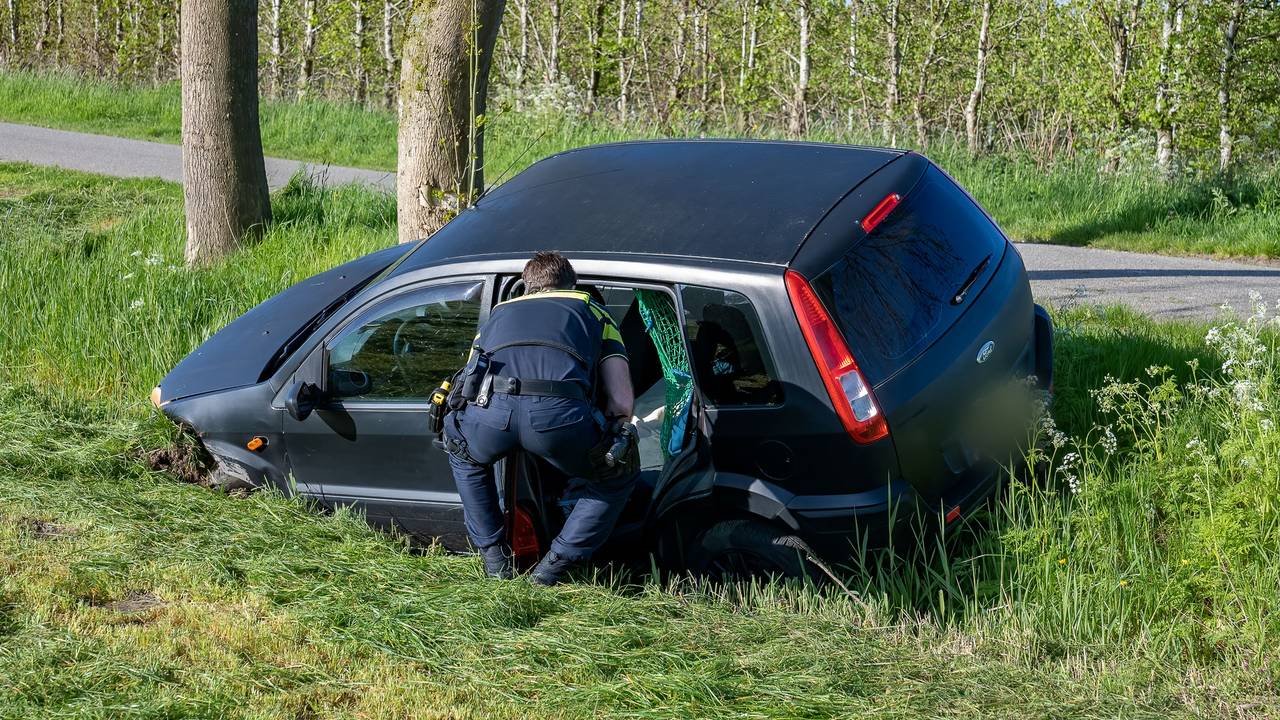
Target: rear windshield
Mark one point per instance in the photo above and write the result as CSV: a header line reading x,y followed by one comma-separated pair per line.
x,y
891,294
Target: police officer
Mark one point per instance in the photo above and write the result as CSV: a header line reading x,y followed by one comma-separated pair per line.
x,y
557,385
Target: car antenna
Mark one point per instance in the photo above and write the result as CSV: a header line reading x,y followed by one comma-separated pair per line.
x,y
519,157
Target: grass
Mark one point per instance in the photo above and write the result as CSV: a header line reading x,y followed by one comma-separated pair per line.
x,y
1150,592
1072,202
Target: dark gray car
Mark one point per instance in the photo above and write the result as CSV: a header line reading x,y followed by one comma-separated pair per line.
x,y
812,331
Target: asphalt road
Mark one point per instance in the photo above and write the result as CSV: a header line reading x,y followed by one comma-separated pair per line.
x,y
1163,287
123,157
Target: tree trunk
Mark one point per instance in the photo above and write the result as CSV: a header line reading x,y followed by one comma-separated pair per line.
x,y
1226,138
1164,116
306,65
224,177
61,33
361,90
893,70
388,53
15,52
926,67
553,58
46,25
444,77
522,58
798,121
974,104
277,47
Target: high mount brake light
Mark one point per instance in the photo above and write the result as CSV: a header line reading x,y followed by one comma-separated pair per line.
x,y
850,394
880,211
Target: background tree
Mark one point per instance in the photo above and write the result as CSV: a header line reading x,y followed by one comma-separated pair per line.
x,y
444,79
1054,78
224,176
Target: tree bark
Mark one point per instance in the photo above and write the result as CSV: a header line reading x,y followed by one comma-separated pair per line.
x,y
1226,68
553,58
1171,11
307,48
893,71
926,67
277,47
444,77
224,177
974,103
361,90
388,53
798,119
15,52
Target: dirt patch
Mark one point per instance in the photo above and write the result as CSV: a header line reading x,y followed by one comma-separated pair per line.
x,y
134,601
44,529
179,462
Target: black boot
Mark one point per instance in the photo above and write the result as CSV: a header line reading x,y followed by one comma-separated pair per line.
x,y
552,569
497,562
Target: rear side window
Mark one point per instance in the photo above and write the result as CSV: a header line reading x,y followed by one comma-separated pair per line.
x,y
729,359
891,294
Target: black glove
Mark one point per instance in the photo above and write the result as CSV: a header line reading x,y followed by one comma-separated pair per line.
x,y
617,454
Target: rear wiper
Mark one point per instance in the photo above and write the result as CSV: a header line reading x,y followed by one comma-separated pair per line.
x,y
958,297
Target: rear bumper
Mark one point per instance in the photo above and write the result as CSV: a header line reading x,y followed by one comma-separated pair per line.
x,y
838,527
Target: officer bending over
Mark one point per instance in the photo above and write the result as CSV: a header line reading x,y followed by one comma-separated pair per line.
x,y
555,360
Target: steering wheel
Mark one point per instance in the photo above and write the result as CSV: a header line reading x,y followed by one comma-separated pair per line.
x,y
407,341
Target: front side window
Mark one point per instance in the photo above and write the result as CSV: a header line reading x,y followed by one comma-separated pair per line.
x,y
404,347
730,360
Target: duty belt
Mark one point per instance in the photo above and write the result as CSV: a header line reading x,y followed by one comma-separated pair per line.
x,y
546,388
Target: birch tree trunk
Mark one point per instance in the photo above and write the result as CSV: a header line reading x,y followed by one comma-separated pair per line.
x,y
448,49
1164,115
926,68
974,103
798,121
15,51
277,47
553,58
224,180
388,53
307,48
360,92
893,71
1226,69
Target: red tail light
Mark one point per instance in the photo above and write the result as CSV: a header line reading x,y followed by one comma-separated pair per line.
x,y
880,211
849,391
525,549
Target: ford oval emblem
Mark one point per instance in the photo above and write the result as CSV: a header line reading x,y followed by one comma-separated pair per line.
x,y
984,353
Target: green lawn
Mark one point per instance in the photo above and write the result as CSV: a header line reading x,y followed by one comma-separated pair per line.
x,y
124,593
1071,203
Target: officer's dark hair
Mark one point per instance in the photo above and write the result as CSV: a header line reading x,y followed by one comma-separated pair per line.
x,y
548,270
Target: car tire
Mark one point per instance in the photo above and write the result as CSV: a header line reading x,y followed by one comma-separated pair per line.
x,y
740,549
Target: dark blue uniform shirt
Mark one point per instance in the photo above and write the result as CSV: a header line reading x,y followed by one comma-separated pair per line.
x,y
567,318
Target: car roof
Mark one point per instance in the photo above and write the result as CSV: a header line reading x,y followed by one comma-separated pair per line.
x,y
742,200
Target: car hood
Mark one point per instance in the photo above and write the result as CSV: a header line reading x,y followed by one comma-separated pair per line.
x,y
238,354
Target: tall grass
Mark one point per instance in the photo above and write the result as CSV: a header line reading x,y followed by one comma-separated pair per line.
x,y
1137,577
1071,201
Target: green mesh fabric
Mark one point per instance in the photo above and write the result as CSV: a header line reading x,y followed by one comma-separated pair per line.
x,y
663,325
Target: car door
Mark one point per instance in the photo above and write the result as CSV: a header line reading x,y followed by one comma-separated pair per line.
x,y
367,443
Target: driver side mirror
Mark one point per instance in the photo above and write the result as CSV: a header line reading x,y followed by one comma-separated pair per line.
x,y
301,399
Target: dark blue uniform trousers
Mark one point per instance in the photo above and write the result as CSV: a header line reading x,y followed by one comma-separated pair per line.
x,y
558,430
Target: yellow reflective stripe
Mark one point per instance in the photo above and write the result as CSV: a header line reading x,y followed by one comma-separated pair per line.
x,y
566,294
611,333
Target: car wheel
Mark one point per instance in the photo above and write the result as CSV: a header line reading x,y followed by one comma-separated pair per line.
x,y
741,549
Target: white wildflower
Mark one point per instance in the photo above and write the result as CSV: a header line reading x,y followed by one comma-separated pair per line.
x,y
136,304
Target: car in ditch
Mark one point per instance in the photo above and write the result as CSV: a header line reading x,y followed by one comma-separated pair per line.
x,y
812,331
